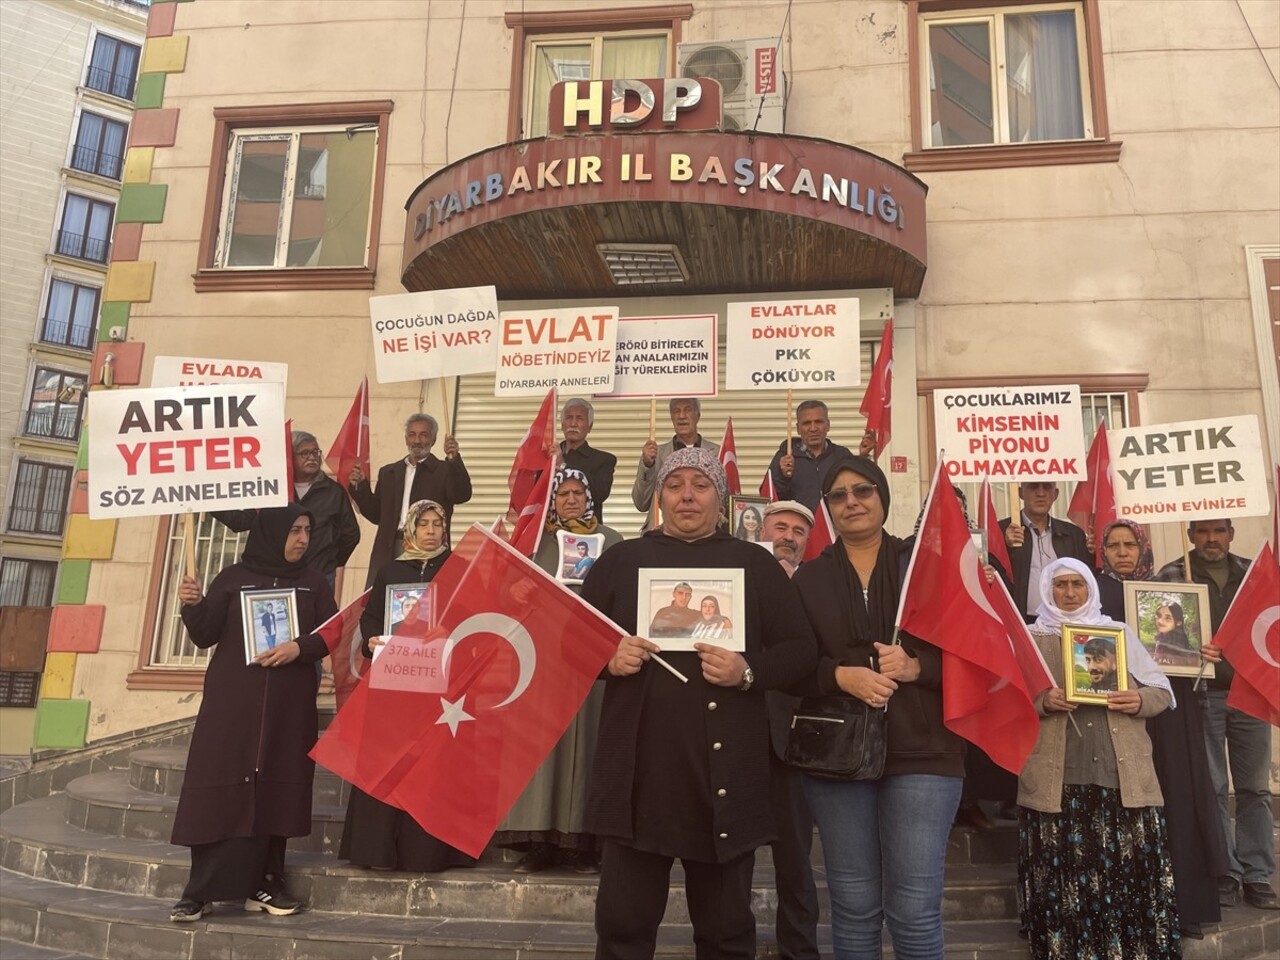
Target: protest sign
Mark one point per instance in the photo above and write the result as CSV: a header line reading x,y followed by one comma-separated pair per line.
x,y
1011,433
569,348
1193,469
434,333
664,357
793,343
411,665
199,371
165,450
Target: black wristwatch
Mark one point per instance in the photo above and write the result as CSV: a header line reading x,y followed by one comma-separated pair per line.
x,y
748,678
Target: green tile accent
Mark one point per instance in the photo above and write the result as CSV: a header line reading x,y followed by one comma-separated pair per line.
x,y
61,724
114,313
149,92
142,203
73,581
82,455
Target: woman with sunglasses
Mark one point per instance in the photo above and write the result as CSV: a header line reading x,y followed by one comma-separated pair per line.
x,y
884,841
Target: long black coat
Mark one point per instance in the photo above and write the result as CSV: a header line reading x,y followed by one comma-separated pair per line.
x,y
703,745
444,481
1068,541
248,773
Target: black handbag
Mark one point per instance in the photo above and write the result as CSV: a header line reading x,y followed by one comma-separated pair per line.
x,y
837,738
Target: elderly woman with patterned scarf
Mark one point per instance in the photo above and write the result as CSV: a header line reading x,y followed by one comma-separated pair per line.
x,y
547,821
1196,844
375,834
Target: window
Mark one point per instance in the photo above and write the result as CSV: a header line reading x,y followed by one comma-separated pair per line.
x,y
1011,83
27,583
70,313
622,56
295,197
55,404
632,43
99,146
86,228
40,494
113,67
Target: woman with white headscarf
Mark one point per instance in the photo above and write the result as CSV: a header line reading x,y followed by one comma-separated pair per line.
x,y
1094,876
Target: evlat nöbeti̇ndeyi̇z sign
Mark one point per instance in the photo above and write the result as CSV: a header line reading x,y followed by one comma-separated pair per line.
x,y
570,348
166,450
1203,469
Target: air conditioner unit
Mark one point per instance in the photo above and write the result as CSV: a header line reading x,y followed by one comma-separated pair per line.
x,y
750,77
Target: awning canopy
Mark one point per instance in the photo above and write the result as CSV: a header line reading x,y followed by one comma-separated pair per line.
x,y
720,212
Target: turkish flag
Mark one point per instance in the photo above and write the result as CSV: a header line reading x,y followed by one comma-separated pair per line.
x,y
877,402
341,635
1275,516
1093,505
351,445
729,460
519,657
1250,640
823,533
531,519
989,521
991,668
766,487
533,456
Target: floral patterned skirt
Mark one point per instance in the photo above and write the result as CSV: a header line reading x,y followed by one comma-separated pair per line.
x,y
1095,881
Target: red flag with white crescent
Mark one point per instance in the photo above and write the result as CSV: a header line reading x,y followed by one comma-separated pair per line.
x,y
877,402
351,445
729,460
989,521
340,634
1093,505
1250,640
506,667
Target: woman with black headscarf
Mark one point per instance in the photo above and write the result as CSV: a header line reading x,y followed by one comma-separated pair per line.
x,y
248,778
376,834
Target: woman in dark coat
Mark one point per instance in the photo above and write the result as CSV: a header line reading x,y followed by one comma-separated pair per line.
x,y
376,834
248,777
1196,845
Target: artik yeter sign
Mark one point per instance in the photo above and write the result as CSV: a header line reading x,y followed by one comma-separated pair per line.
x,y
434,333
1011,433
1188,470
793,343
166,450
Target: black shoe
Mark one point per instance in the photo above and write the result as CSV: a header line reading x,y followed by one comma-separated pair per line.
x,y
187,910
972,815
1191,931
1261,895
278,904
581,862
541,856
1229,892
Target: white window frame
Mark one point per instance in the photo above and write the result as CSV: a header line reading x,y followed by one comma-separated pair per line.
x,y
109,112
993,17
596,40
94,193
294,134
92,281
18,460
36,365
134,40
22,558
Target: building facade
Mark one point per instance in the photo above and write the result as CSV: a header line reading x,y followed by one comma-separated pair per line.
x,y
1084,191
67,89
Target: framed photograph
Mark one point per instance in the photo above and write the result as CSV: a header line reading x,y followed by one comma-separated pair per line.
x,y
578,553
1094,662
746,517
409,609
678,608
1172,622
270,618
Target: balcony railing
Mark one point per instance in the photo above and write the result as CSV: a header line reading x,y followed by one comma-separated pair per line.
x,y
61,423
111,83
96,161
76,336
82,247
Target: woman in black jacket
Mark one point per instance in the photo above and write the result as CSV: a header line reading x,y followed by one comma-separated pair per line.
x,y
884,841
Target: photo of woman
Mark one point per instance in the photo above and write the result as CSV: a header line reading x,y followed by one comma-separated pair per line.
x,y
749,522
713,625
1173,648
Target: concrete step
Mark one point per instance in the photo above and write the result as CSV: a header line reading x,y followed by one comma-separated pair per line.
x,y
160,770
108,803
39,843
13,950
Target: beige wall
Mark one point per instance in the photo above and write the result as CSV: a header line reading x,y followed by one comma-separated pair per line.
x,y
1130,267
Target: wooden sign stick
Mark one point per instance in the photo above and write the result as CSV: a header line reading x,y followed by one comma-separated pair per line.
x,y
653,419
444,398
189,543
788,421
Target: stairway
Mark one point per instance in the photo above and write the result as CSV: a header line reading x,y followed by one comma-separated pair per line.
x,y
88,872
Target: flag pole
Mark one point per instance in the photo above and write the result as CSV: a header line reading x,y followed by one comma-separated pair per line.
x,y
1186,575
653,419
364,402
448,419
788,421
189,542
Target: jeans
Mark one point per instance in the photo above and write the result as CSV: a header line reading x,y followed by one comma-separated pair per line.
x,y
885,844
1244,742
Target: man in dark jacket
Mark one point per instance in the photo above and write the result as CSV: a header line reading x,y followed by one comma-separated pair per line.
x,y
1231,733
1036,540
577,417
428,478
798,473
335,532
